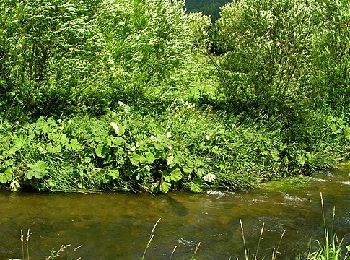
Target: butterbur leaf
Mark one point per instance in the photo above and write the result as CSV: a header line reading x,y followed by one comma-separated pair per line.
x,y
114,174
74,145
37,170
159,146
165,186
176,175
6,176
115,141
187,170
53,148
136,159
195,187
150,157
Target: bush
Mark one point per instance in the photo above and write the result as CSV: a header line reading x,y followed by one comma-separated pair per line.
x,y
62,57
285,57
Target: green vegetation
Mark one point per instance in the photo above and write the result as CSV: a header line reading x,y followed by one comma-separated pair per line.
x,y
331,248
138,95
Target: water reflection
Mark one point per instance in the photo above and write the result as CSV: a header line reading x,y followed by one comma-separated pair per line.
x,y
117,226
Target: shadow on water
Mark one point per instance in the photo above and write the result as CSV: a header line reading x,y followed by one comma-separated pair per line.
x,y
179,209
118,226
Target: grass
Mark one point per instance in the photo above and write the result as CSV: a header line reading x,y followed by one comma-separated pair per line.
x,y
331,248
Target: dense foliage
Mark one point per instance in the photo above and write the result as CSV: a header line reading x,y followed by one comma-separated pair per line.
x,y
139,95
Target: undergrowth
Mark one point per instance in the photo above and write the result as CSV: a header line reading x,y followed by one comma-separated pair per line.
x,y
142,96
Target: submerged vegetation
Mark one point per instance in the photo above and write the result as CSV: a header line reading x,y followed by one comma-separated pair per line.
x,y
139,95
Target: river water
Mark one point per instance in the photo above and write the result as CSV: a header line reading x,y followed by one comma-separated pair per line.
x,y
118,226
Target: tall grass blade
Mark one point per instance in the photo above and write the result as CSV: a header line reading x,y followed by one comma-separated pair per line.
x,y
244,241
195,251
150,239
28,236
260,238
22,242
173,252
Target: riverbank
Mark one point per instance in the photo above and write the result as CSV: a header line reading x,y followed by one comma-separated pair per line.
x,y
142,96
185,149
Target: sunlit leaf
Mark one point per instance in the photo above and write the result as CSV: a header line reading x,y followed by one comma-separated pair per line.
x,y
165,186
6,176
37,170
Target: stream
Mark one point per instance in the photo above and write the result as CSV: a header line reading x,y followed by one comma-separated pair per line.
x,y
119,225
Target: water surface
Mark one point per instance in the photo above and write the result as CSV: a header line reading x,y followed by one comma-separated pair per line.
x,y
118,226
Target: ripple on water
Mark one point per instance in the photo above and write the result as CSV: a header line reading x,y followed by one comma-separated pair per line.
x,y
345,183
294,198
219,194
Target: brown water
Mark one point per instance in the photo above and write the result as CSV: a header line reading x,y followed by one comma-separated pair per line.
x,y
118,226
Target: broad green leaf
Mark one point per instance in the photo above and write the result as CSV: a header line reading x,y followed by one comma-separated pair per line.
x,y
176,175
50,148
150,157
187,170
200,172
74,145
6,176
37,170
136,159
113,141
165,186
159,146
114,174
195,187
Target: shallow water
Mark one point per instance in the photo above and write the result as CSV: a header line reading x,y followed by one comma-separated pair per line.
x,y
118,226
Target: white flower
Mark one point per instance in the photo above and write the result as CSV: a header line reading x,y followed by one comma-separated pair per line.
x,y
168,134
209,177
169,160
115,127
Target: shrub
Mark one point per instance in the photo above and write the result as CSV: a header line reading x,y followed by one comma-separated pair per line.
x,y
285,57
